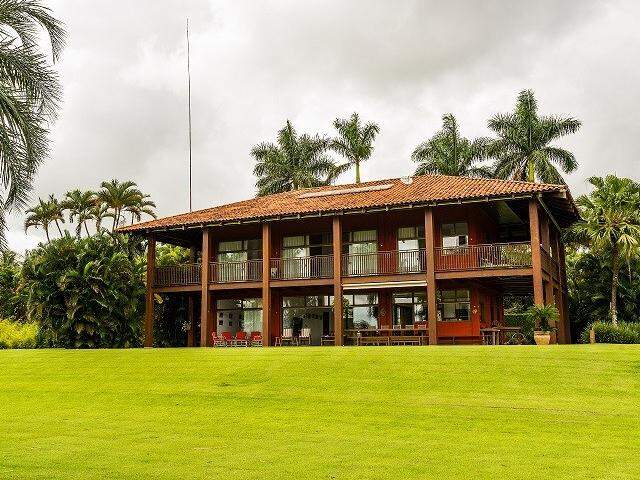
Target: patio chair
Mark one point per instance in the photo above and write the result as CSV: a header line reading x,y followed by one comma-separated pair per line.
x,y
256,339
305,336
241,339
328,339
228,338
287,336
218,341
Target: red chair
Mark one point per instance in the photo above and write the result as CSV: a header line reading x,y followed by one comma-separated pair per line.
x,y
241,339
256,339
228,338
218,341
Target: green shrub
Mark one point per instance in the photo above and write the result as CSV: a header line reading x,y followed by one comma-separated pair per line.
x,y
17,335
12,301
86,292
606,332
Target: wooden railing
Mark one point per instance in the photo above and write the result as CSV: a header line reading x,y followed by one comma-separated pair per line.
x,y
549,264
178,275
383,263
229,272
316,266
480,257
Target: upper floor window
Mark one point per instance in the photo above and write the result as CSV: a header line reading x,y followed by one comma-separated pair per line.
x,y
455,235
362,246
307,245
411,238
239,250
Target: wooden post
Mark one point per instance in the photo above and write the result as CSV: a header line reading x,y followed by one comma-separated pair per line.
x,y
338,319
205,303
564,297
432,307
536,255
151,271
266,284
190,307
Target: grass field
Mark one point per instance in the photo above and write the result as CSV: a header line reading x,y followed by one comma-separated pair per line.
x,y
561,412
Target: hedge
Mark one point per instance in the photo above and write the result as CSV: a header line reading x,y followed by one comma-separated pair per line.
x,y
606,332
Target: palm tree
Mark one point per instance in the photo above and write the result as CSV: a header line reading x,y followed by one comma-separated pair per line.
x,y
30,93
99,212
39,216
143,206
611,224
296,161
447,153
522,150
80,205
354,140
119,197
55,210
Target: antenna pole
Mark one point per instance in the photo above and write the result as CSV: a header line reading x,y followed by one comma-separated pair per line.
x,y
189,101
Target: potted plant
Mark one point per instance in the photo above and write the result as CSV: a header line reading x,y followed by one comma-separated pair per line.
x,y
542,316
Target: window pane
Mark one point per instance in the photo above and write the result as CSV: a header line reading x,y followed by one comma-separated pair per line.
x,y
228,304
449,310
405,233
363,236
232,257
252,303
404,245
295,252
365,299
461,228
365,317
420,313
402,298
297,241
448,229
254,244
293,301
252,321
462,311
448,295
234,246
462,295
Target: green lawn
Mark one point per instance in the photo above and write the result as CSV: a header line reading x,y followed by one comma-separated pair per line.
x,y
322,413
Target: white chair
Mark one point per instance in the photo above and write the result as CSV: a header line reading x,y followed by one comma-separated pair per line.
x,y
305,336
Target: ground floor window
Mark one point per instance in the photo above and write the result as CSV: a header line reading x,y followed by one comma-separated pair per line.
x,y
453,305
361,311
409,308
312,312
234,315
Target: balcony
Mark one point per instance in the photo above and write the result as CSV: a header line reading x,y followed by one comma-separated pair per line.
x,y
231,272
495,256
300,268
482,257
384,263
178,275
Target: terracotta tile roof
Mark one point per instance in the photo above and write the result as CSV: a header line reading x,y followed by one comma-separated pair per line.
x,y
381,193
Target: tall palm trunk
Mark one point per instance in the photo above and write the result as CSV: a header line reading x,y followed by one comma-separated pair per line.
x,y
58,226
46,232
615,273
357,170
531,170
86,229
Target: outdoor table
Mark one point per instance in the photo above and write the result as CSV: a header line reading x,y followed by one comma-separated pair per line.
x,y
504,330
495,334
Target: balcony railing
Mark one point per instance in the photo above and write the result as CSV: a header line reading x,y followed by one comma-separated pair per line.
x,y
316,266
480,257
384,263
470,257
178,275
229,272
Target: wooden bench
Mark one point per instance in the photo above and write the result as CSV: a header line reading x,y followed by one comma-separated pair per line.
x,y
405,340
461,340
373,341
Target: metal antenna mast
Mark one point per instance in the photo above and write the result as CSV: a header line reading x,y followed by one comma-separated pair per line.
x,y
189,100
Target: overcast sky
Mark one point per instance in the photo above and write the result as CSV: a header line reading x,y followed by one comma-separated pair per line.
x,y
254,64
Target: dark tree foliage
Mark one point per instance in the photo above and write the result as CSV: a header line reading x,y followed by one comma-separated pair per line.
x,y
589,282
86,293
12,301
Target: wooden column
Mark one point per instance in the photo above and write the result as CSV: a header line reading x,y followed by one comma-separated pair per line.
x,y
151,271
190,307
338,318
564,296
432,307
205,303
267,308
536,256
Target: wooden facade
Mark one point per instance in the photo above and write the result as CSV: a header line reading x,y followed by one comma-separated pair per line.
x,y
507,247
